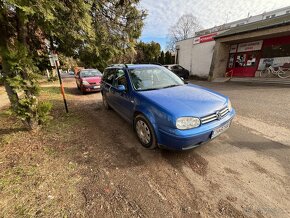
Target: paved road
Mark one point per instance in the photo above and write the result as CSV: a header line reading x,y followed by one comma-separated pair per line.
x,y
244,172
262,102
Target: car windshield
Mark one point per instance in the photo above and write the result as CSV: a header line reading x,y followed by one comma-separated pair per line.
x,y
90,73
151,78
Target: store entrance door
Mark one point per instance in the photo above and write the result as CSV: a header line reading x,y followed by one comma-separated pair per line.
x,y
244,59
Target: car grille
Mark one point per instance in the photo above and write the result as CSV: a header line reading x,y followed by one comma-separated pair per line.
x,y
93,83
216,116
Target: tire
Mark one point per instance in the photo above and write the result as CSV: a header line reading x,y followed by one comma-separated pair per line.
x,y
105,102
284,74
145,132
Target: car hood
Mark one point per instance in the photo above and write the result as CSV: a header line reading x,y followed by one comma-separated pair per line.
x,y
187,100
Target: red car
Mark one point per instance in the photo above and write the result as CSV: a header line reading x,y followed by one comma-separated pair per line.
x,y
88,80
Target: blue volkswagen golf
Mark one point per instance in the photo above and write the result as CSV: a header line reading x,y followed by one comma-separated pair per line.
x,y
163,110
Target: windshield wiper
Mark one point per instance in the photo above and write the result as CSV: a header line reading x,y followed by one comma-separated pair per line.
x,y
170,86
149,89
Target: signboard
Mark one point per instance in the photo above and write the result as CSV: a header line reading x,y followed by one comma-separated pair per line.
x,y
233,48
52,59
205,38
250,46
196,40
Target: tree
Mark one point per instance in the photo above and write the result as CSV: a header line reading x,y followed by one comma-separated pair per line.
x,y
117,25
168,58
147,52
185,27
95,31
161,59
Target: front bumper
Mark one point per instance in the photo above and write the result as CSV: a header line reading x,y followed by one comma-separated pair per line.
x,y
175,139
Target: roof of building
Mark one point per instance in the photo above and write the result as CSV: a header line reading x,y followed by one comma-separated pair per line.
x,y
259,25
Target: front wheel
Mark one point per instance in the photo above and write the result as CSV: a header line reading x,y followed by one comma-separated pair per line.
x,y
145,132
284,74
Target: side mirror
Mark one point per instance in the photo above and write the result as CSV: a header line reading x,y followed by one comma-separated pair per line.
x,y
121,88
182,78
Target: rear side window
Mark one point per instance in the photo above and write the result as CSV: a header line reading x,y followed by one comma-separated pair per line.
x,y
109,76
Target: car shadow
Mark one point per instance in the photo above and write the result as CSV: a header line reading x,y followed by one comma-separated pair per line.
x,y
76,91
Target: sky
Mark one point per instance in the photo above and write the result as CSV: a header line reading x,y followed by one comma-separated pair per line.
x,y
164,13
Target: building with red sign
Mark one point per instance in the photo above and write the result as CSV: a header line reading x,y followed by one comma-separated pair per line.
x,y
242,48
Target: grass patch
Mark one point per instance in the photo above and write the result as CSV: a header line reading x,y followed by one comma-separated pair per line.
x,y
50,90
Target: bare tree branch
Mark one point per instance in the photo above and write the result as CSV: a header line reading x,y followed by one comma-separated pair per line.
x,y
185,28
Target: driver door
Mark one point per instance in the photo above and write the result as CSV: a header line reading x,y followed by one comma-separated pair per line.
x,y
123,99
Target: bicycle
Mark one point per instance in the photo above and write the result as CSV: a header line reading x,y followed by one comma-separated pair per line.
x,y
229,74
280,72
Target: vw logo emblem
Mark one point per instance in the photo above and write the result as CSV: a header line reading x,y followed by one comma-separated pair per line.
x,y
218,115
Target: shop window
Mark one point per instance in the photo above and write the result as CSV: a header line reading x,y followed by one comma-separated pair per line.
x,y
240,60
248,59
231,61
252,59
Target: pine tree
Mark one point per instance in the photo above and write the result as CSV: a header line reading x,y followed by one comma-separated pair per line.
x,y
94,31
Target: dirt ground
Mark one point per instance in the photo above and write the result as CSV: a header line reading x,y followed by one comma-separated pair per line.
x,y
89,164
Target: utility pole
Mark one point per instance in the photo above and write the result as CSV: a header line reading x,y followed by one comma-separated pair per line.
x,y
61,85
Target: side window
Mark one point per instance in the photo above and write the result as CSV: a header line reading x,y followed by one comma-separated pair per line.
x,y
120,79
109,76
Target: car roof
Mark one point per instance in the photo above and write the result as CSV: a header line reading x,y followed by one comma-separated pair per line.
x,y
89,69
132,66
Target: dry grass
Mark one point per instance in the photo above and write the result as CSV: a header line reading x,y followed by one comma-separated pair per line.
x,y
36,177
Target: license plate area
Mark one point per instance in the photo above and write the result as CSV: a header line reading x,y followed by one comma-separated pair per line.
x,y
96,87
220,130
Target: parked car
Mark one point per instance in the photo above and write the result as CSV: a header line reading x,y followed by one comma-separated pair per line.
x,y
70,72
178,70
163,110
88,80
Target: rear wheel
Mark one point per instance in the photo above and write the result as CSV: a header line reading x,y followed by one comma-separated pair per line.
x,y
145,132
284,74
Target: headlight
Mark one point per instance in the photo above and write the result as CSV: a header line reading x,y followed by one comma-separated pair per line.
x,y
187,122
85,82
230,105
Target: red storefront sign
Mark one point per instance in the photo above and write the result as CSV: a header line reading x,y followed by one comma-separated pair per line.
x,y
250,46
205,38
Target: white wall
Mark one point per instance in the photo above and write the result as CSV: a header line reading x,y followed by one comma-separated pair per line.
x,y
196,57
201,58
184,53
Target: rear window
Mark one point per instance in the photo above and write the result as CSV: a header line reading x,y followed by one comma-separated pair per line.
x,y
90,73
